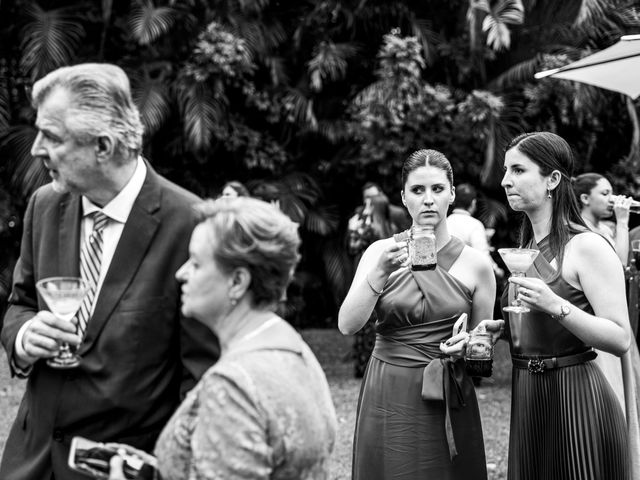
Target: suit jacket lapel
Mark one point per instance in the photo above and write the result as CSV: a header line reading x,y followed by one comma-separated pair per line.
x,y
138,233
69,236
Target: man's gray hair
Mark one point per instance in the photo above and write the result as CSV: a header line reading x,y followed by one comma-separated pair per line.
x,y
101,103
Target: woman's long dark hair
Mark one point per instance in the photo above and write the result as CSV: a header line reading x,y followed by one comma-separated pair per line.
x,y
551,152
381,216
584,184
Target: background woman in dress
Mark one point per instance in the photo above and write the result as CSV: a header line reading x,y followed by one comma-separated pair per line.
x,y
565,420
264,409
597,204
372,224
414,422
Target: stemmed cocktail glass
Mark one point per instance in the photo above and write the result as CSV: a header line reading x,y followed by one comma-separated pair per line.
x,y
63,296
518,261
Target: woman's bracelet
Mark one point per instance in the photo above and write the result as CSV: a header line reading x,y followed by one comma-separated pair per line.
x,y
375,292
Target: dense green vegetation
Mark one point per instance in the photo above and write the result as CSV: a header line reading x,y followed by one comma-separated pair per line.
x,y
316,97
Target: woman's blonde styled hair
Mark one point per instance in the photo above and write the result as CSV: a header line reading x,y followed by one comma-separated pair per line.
x,y
256,235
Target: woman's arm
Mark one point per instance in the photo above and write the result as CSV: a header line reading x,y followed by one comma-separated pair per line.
x,y
377,263
593,267
484,294
621,210
474,270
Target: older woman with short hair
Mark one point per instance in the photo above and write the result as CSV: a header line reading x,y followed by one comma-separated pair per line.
x,y
264,411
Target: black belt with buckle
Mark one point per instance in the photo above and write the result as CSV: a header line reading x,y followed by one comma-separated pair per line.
x,y
539,364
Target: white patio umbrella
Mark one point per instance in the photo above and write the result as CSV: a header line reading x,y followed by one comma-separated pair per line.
x,y
615,68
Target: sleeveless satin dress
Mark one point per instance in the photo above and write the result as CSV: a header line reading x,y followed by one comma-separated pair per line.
x,y
566,423
418,415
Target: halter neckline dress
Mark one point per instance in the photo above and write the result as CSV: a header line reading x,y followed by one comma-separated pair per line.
x,y
418,415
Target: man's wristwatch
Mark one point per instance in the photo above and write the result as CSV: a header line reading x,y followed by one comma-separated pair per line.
x,y
565,310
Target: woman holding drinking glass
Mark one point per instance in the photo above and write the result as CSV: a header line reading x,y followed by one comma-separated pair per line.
x,y
566,422
418,416
597,203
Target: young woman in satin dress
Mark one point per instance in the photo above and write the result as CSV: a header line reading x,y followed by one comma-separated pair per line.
x,y
417,413
566,422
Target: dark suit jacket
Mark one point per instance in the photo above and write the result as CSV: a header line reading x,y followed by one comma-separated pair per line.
x,y
137,353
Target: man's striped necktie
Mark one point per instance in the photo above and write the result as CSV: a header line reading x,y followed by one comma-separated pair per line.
x,y
90,259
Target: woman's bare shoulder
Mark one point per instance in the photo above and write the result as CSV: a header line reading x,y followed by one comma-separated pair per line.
x,y
588,242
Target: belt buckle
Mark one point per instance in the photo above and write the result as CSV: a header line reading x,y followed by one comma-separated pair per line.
x,y
536,366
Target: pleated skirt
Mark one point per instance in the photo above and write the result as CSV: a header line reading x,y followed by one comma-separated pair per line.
x,y
566,424
400,436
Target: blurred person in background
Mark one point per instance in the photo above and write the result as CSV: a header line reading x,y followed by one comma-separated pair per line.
x,y
137,355
462,223
234,189
373,223
417,413
397,215
264,410
566,422
598,204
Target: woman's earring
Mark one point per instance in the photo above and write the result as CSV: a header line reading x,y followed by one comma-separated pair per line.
x,y
548,192
233,302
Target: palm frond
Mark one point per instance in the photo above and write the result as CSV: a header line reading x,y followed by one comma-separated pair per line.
x,y
5,114
300,108
277,70
26,175
201,113
251,6
152,98
376,93
491,211
334,131
303,186
510,12
338,269
517,74
628,17
322,221
428,38
148,22
495,24
261,36
591,12
49,40
329,62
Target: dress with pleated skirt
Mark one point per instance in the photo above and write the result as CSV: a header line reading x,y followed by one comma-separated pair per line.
x,y
418,415
566,423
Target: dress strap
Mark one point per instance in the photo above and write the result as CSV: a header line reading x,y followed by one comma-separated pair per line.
x,y
542,263
448,254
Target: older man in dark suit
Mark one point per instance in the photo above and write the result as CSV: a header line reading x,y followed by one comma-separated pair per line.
x,y
137,353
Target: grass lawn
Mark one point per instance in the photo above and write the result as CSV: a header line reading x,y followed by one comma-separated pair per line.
x,y
331,349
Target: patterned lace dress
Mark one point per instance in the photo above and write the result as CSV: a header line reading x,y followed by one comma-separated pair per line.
x,y
264,411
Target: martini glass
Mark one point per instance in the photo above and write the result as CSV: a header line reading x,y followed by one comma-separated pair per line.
x,y
518,261
63,296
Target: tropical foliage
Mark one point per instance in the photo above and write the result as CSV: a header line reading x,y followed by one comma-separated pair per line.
x,y
316,97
